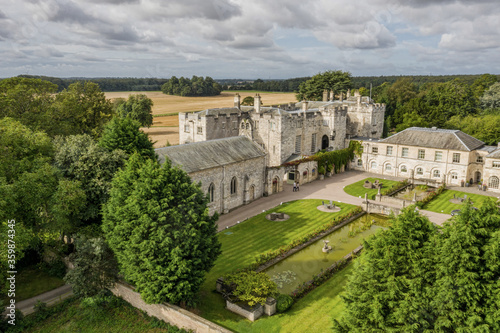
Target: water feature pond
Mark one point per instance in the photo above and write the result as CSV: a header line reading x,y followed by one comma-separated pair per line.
x,y
303,265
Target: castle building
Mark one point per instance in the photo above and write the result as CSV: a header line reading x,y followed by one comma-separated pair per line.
x,y
432,155
289,131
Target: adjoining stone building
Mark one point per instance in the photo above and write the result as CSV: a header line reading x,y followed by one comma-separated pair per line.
x,y
291,130
432,155
231,170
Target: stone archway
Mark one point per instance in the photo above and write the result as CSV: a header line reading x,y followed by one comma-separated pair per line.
x,y
276,187
325,142
477,177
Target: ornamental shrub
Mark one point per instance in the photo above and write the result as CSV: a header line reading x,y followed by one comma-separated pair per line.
x,y
283,303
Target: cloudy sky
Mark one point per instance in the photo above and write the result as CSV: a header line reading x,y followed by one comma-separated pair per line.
x,y
248,38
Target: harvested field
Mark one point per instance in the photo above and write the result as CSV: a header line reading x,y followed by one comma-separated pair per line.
x,y
166,127
164,104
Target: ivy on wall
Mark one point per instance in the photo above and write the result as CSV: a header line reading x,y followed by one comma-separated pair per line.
x,y
332,159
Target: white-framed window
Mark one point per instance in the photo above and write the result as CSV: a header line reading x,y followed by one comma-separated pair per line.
x,y
493,182
420,171
298,142
496,164
479,159
233,185
242,125
373,165
404,152
456,157
313,143
436,174
186,128
388,167
438,156
454,176
421,154
211,190
389,150
404,169
374,150
360,162
199,130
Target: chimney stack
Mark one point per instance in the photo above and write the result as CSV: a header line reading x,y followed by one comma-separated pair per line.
x,y
304,106
325,95
237,100
256,103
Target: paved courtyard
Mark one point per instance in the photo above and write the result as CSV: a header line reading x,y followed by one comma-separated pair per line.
x,y
331,188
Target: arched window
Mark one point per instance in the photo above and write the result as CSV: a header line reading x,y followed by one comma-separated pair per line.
x,y
420,171
403,168
233,185
493,183
248,126
388,167
373,165
436,174
211,189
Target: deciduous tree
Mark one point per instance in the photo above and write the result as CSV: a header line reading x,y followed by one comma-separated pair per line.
x,y
312,89
137,107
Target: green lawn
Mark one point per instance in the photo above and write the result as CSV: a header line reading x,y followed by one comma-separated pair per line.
x,y
357,189
442,204
32,281
243,242
118,318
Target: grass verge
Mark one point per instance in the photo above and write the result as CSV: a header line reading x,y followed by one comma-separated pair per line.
x,y
242,243
442,203
357,189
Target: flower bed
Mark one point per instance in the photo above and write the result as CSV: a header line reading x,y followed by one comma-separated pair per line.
x,y
421,204
394,188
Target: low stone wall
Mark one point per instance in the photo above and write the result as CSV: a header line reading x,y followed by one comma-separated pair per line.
x,y
394,201
167,312
374,208
251,314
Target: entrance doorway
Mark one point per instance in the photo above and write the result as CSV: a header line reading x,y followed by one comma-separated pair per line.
x,y
477,177
325,143
275,185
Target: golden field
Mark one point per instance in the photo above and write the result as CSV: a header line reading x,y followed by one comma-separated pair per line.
x,y
166,128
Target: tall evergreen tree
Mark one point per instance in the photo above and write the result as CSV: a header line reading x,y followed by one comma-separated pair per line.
x,y
386,291
157,223
466,277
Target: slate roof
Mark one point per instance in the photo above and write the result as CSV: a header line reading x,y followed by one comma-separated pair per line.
x,y
495,154
435,138
204,155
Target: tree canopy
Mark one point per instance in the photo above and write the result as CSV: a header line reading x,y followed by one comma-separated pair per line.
x,y
312,89
412,278
137,107
157,223
125,134
196,86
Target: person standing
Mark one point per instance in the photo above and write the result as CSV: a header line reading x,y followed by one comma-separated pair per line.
x,y
294,186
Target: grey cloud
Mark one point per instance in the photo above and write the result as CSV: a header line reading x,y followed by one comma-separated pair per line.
x,y
70,12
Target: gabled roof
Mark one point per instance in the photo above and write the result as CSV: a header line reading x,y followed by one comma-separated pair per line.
x,y
435,138
204,155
